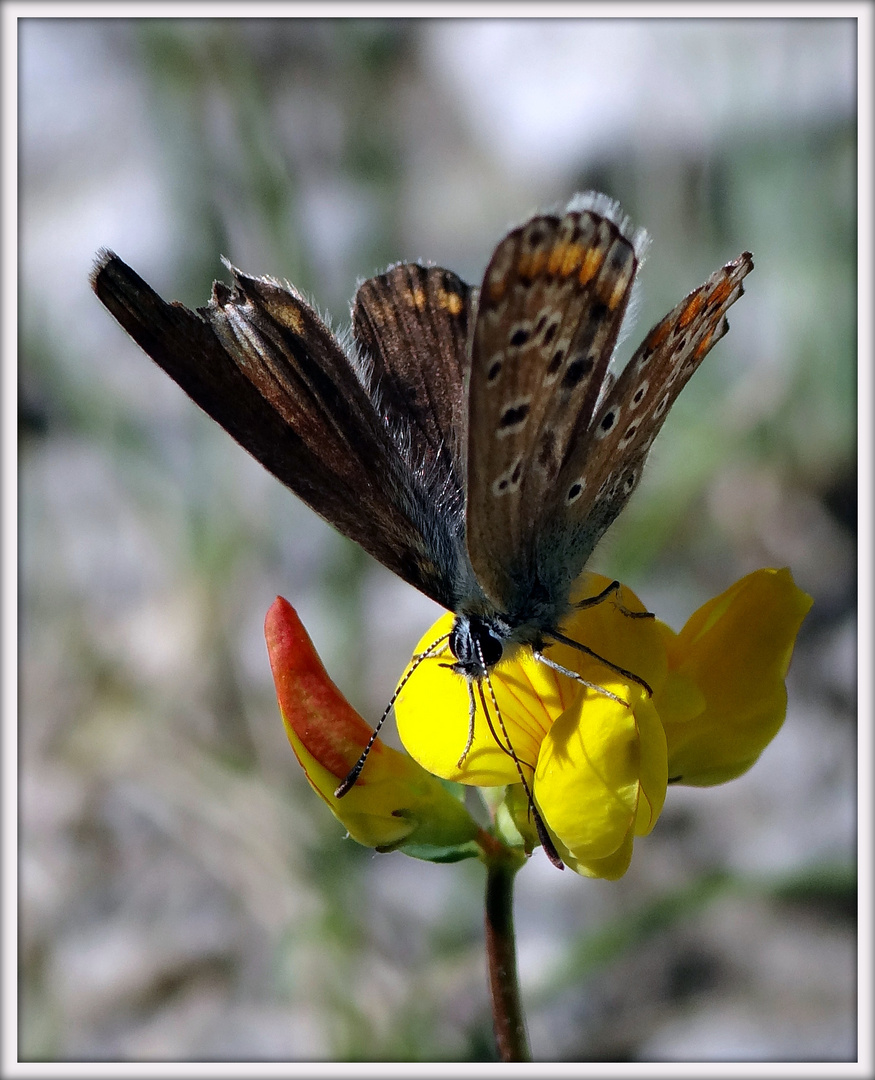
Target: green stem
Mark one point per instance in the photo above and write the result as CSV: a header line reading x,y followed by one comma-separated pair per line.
x,y
507,1015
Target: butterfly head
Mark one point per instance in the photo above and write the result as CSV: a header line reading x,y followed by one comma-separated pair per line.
x,y
478,644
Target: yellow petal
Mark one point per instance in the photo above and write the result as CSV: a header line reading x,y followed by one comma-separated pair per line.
x,y
735,651
611,867
653,773
601,777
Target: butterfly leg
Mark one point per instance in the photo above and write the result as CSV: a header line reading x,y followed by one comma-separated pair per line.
x,y
541,829
472,713
601,659
544,659
609,590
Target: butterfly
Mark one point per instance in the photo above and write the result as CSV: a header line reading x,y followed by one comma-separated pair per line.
x,y
474,441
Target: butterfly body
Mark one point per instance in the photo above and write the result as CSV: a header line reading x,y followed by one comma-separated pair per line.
x,y
474,441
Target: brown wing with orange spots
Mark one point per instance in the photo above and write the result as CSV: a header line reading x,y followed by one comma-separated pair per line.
x,y
552,301
261,363
412,322
605,462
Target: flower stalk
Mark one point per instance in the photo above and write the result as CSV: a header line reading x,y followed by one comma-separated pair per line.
x,y
508,1021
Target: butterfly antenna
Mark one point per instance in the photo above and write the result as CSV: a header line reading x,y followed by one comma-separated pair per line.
x,y
544,837
347,784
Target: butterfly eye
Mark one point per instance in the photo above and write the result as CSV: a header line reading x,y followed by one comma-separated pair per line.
x,y
491,648
475,645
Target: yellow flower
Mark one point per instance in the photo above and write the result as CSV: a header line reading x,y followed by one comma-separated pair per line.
x,y
725,699
395,802
598,763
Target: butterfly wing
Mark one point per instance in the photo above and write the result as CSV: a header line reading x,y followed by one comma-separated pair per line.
x,y
605,460
551,305
412,323
262,364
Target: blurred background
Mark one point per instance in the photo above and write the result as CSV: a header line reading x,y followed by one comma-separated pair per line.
x,y
183,895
